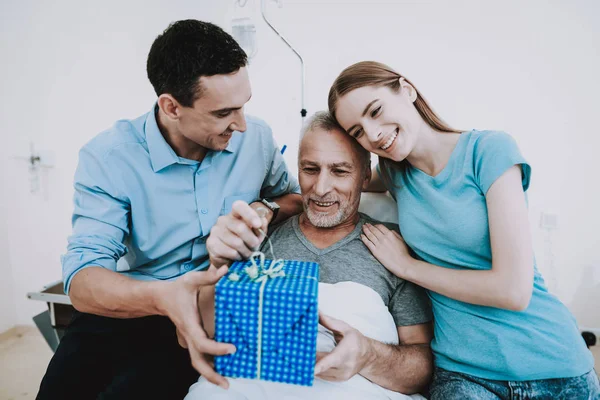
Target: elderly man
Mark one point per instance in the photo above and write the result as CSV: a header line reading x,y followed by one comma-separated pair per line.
x,y
359,357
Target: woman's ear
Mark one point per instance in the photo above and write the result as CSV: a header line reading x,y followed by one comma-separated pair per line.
x,y
408,90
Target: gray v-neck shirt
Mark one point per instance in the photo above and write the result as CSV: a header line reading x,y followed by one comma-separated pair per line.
x,y
350,260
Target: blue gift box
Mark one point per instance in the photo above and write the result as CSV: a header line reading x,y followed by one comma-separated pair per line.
x,y
269,311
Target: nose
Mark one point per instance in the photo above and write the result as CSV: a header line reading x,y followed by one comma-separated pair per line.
x,y
239,122
372,131
323,184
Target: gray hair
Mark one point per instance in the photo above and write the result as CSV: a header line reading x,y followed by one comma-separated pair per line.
x,y
325,121
320,120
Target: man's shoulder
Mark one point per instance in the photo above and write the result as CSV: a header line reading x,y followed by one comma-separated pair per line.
x,y
391,226
123,132
254,122
258,130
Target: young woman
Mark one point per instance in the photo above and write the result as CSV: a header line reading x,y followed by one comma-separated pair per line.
x,y
465,238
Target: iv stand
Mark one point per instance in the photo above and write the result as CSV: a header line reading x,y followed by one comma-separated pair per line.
x,y
262,7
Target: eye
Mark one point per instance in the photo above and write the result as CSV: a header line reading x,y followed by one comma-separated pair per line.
x,y
310,170
375,112
340,172
357,133
223,114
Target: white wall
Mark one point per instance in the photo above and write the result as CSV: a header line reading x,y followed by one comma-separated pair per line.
x,y
70,69
8,314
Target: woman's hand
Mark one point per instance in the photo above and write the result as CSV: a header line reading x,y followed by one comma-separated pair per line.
x,y
388,247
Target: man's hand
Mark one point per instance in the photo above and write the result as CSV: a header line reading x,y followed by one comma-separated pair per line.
x,y
178,300
348,358
236,235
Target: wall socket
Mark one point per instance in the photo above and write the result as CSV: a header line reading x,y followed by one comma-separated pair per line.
x,y
548,221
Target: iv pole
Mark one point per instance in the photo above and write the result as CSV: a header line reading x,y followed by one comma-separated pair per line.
x,y
262,8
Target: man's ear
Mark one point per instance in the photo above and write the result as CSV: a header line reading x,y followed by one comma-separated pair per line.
x,y
408,90
169,106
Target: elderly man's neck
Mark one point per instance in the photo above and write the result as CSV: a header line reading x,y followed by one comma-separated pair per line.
x,y
322,238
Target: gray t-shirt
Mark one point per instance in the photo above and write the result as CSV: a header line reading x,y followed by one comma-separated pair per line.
x,y
350,260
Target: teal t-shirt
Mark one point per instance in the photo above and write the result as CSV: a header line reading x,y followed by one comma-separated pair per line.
x,y
444,220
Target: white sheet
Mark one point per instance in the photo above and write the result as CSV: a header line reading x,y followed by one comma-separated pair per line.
x,y
357,305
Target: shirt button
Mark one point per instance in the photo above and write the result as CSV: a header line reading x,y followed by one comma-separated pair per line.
x,y
204,211
188,266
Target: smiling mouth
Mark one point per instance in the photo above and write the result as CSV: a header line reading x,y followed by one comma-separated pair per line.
x,y
390,141
324,204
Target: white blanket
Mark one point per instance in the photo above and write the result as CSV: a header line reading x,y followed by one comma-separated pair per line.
x,y
357,305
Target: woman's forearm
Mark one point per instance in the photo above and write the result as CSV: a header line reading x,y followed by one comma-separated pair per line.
x,y
486,288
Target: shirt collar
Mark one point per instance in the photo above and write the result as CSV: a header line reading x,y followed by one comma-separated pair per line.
x,y
161,154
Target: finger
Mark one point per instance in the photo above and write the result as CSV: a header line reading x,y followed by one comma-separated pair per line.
x,y
249,236
208,346
241,210
180,339
370,234
333,324
203,367
218,250
367,243
380,229
331,376
236,243
399,237
330,361
203,278
220,261
321,354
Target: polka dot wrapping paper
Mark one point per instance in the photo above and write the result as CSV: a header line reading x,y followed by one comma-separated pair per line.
x,y
272,321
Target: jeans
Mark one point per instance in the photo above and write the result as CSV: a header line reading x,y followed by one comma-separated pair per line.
x,y
449,385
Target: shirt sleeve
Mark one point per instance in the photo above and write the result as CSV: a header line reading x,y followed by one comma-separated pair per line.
x,y
278,180
410,304
100,218
494,154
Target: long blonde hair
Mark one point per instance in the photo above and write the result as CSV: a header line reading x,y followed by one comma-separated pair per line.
x,y
372,73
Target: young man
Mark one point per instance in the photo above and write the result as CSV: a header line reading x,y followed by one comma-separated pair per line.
x,y
147,193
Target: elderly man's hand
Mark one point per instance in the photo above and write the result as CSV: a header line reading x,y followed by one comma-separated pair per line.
x,y
178,300
236,235
348,358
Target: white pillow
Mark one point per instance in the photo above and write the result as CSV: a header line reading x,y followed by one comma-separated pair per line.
x,y
379,206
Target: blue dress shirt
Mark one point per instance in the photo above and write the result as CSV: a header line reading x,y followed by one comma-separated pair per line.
x,y
142,211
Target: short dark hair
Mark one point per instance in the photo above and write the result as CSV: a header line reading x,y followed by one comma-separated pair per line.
x,y
187,50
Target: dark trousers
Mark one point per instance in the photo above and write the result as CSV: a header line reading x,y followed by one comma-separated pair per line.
x,y
109,358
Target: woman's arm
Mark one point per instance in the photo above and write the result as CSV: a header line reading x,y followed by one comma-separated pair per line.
x,y
508,284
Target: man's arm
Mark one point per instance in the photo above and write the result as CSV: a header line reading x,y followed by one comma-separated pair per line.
x,y
96,290
100,224
404,368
